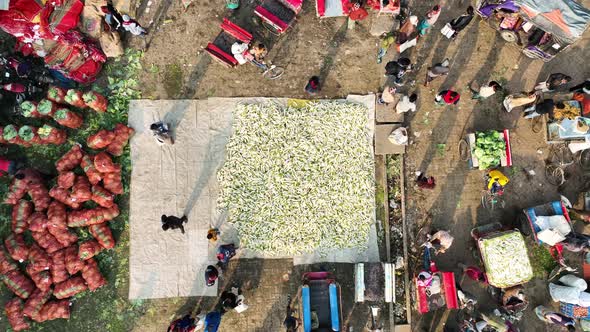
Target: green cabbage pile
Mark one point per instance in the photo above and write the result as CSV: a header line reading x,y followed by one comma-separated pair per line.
x,y
489,148
299,179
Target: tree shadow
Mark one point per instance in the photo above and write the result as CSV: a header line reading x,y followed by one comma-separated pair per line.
x,y
333,47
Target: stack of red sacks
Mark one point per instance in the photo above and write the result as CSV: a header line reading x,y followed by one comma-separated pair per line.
x,y
56,267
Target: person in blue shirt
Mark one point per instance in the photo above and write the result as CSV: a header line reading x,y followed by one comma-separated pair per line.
x,y
212,321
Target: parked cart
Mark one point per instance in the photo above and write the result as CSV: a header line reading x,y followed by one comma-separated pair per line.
x,y
320,302
486,150
568,125
504,255
529,218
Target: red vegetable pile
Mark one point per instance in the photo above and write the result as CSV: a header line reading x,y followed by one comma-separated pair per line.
x,y
45,274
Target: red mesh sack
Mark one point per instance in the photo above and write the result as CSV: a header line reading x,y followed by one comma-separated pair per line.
x,y
38,260
19,284
82,189
63,196
21,212
2,140
122,134
96,101
10,134
72,260
91,273
102,196
68,118
14,313
46,107
87,164
102,233
63,236
57,215
74,98
51,135
89,249
7,264
15,244
56,94
66,180
42,280
17,190
58,269
28,109
112,182
104,163
38,222
29,135
92,216
54,310
39,196
47,241
69,288
101,139
35,302
69,160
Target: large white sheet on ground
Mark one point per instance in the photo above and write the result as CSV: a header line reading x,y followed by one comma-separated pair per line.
x,y
181,179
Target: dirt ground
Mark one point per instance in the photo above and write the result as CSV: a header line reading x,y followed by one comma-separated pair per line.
x,y
175,66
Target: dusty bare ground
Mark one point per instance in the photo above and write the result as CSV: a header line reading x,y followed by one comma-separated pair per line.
x,y
175,66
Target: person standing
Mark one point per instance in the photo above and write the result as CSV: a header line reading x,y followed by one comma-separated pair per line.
x,y
387,40
512,101
184,324
582,94
546,106
407,104
553,82
397,69
212,321
212,234
133,26
439,69
485,91
162,133
387,96
441,241
211,275
462,21
172,222
448,97
313,85
474,273
290,323
427,22
225,253
425,182
551,317
112,17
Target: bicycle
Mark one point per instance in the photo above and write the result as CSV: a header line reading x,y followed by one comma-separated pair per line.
x,y
269,70
492,197
556,253
560,158
584,159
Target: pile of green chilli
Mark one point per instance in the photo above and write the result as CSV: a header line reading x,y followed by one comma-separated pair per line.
x,y
299,179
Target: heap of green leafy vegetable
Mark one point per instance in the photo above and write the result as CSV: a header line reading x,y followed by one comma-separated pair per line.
x,y
489,148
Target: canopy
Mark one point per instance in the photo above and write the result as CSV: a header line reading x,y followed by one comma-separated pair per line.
x,y
565,19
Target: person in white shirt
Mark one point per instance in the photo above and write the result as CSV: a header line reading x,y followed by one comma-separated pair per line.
x,y
133,27
485,91
406,104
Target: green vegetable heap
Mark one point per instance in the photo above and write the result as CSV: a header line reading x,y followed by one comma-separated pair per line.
x,y
489,148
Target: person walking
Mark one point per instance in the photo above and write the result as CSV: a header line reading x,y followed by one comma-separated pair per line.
x,y
397,69
551,317
407,104
461,22
427,22
387,40
161,132
407,36
212,234
553,82
172,222
290,323
439,69
133,26
485,91
448,97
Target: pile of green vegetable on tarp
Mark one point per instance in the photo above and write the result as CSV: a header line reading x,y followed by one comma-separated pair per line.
x,y
490,147
297,180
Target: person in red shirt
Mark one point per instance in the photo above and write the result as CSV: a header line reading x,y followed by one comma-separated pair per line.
x,y
474,273
583,97
448,97
355,10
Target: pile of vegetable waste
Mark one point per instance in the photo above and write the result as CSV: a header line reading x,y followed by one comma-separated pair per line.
x,y
490,147
299,179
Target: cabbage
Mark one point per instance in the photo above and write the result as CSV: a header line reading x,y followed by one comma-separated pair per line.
x,y
489,148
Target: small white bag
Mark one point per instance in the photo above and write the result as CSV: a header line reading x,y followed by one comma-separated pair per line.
x,y
447,31
399,136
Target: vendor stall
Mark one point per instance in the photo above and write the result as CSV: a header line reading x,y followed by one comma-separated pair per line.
x,y
504,255
549,221
568,124
489,149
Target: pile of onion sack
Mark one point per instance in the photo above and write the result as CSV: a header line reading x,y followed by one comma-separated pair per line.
x,y
46,273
